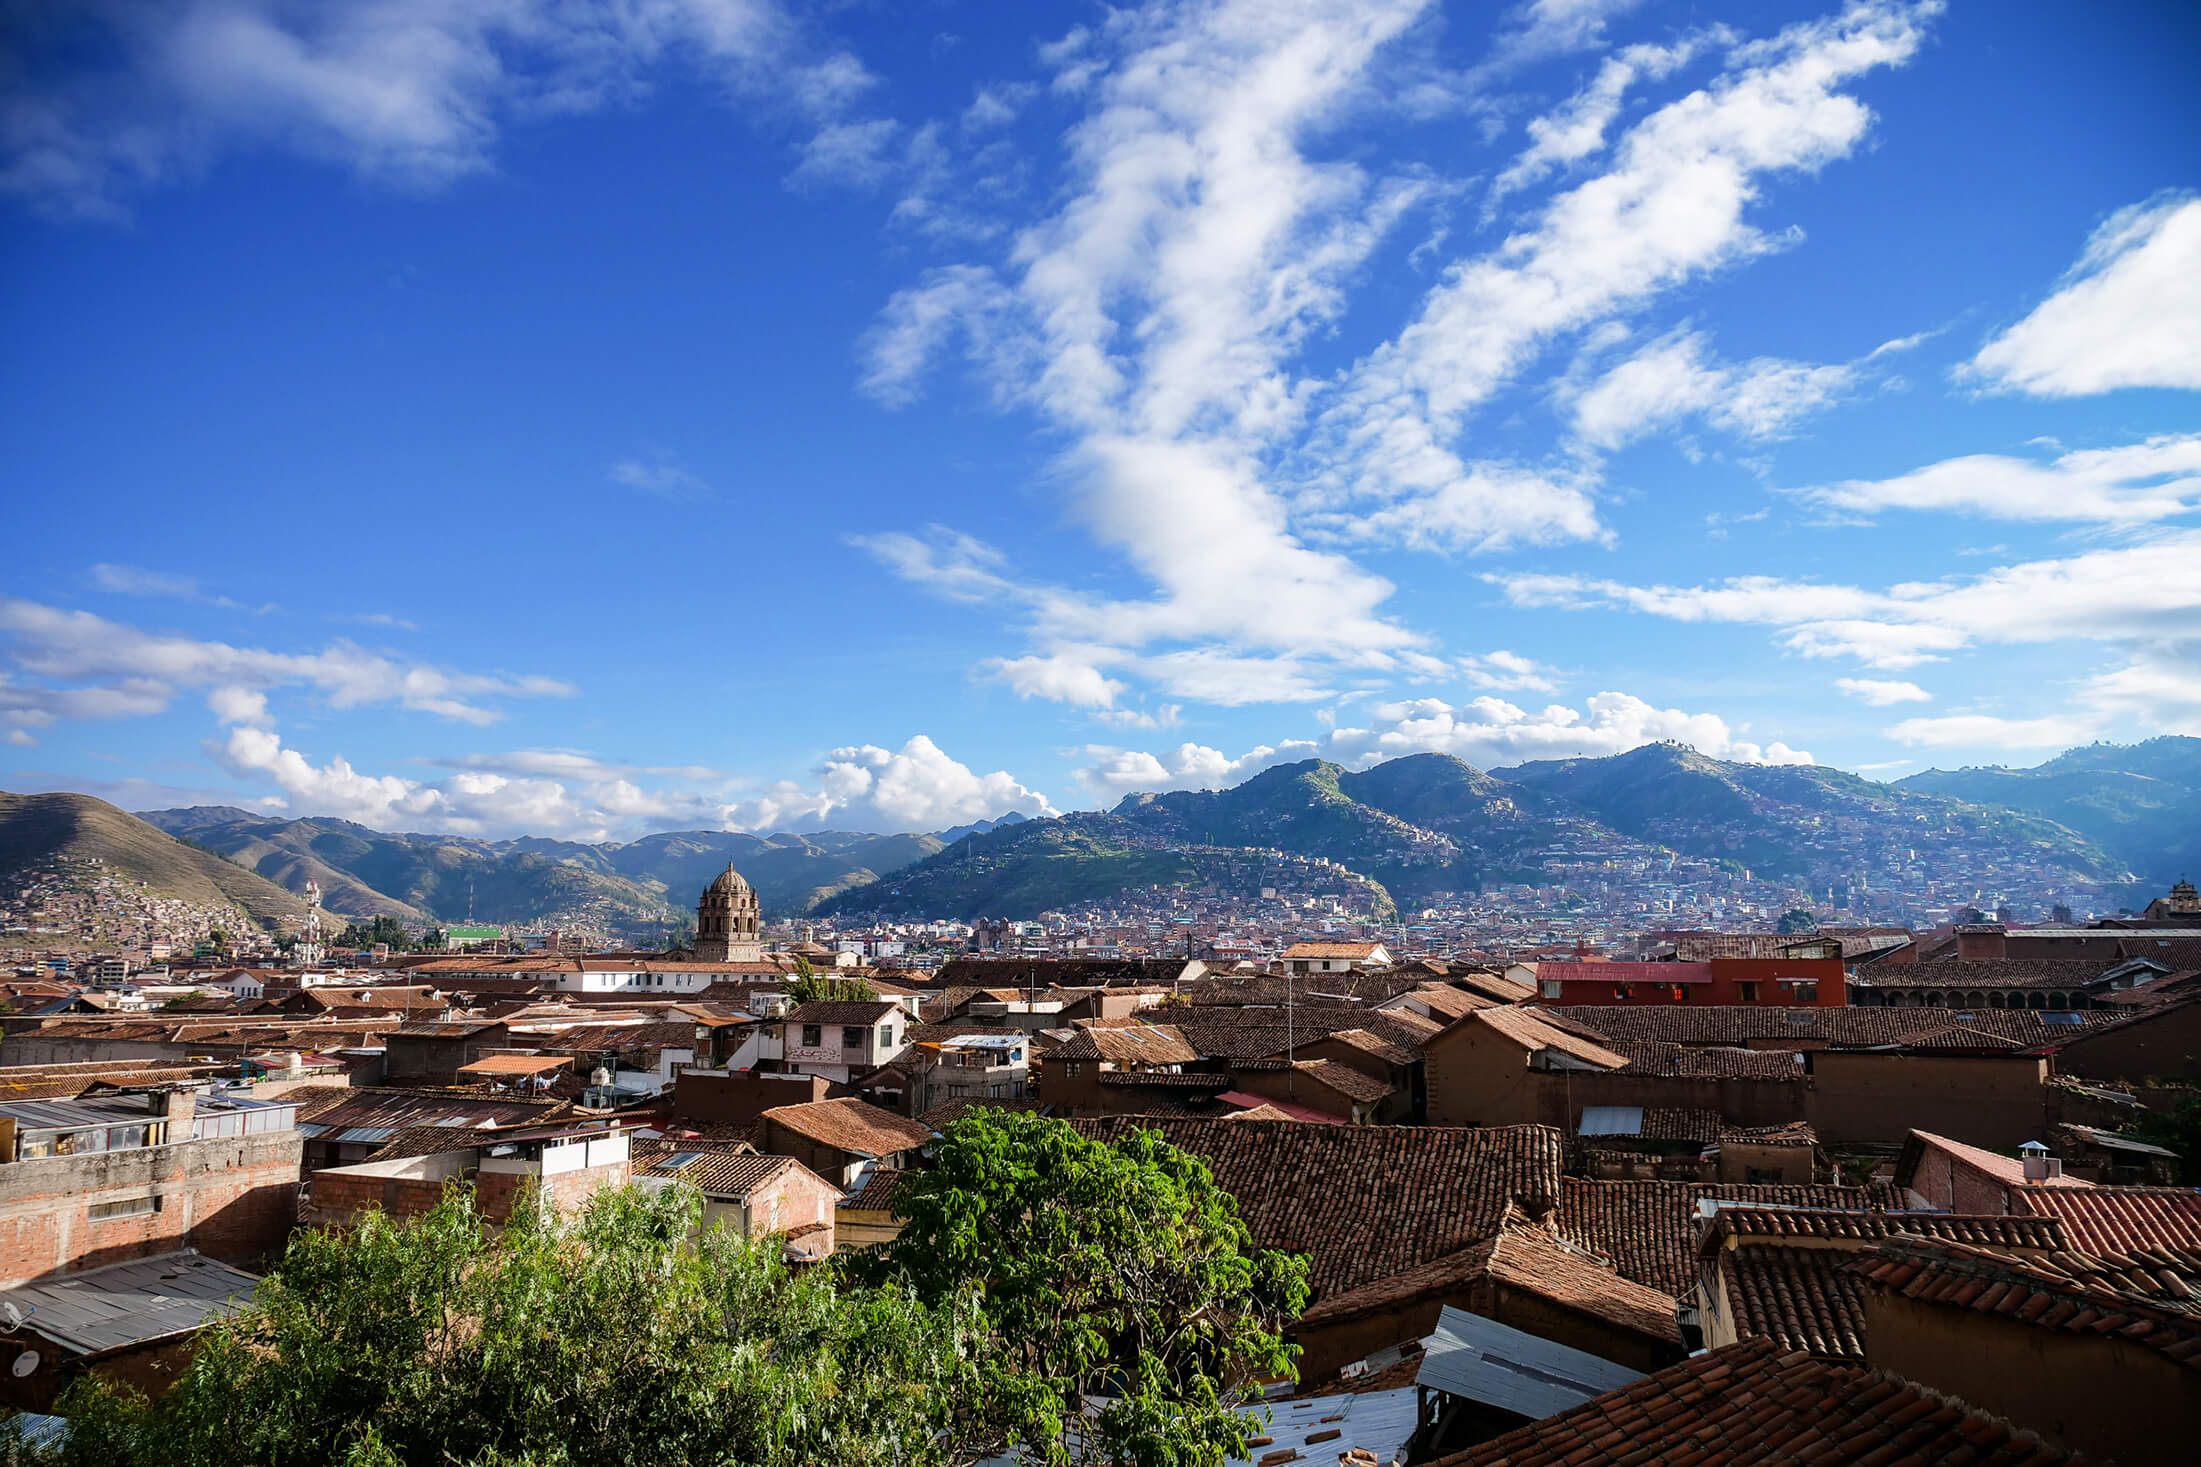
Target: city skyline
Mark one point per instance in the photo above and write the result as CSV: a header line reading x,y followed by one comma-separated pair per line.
x,y
590,420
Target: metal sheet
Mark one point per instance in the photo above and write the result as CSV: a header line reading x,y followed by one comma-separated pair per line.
x,y
1611,1120
1380,1421
132,1303
1482,1360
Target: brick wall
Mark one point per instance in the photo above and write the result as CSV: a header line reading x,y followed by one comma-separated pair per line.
x,y
231,1198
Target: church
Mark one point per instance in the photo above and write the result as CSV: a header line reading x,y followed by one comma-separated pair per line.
x,y
729,926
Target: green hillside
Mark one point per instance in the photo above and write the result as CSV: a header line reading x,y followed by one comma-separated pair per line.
x,y
65,827
2139,802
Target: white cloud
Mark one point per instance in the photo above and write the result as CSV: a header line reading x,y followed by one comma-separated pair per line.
x,y
1576,128
1508,672
1670,208
123,671
1881,693
2130,484
1985,731
865,787
21,738
239,705
131,580
1058,678
2127,315
413,93
850,153
1162,317
2142,593
662,477
1672,378
1486,732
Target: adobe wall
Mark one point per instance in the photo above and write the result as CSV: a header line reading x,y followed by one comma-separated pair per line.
x,y
792,1200
708,1097
1294,1089
1989,1100
1953,1186
1746,1102
2164,1045
1478,1077
498,1192
231,1198
2094,1394
829,1162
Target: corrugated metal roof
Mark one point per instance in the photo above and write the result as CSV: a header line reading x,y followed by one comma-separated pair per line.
x,y
132,1303
1376,1421
1482,1360
1611,1120
52,1115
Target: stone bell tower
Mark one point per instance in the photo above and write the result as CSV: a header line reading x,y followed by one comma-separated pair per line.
x,y
729,928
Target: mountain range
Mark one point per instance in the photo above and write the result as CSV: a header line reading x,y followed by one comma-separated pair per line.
x,y
1407,829
2140,802
36,830
1429,823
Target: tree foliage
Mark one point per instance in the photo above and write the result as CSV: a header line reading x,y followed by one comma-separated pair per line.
x,y
1116,1270
810,987
1796,921
2180,1131
617,1337
383,929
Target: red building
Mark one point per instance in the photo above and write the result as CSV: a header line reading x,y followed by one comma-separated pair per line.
x,y
1772,982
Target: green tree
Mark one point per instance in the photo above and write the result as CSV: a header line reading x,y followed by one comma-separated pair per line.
x,y
1796,922
619,1338
1119,1270
811,988
2180,1131
383,929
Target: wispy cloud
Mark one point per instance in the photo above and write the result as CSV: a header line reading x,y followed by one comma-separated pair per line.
x,y
131,580
661,477
409,93
2127,315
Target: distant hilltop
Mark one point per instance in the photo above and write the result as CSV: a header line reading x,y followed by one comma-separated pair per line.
x,y
1394,832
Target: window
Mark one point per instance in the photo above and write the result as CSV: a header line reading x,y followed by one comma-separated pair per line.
x,y
852,1036
813,1036
1071,1069
128,1207
886,1037
1747,991
1807,993
1551,988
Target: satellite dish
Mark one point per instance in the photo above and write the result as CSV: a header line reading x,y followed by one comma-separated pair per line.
x,y
25,1363
11,1314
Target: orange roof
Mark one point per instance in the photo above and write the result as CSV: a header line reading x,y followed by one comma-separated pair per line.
x,y
1332,950
516,1064
2006,1169
1530,1032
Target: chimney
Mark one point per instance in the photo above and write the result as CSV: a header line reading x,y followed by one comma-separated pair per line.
x,y
1981,940
2039,1165
179,1107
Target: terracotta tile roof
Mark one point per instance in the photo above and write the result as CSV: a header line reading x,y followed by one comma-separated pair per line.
x,y
843,1011
852,1125
1349,950
1131,1044
1251,1033
2109,1220
1531,1033
1649,1229
1784,1133
1274,990
1753,1403
1682,1061
1267,1110
1366,1202
1787,1272
1799,1298
1367,1042
1835,1028
1344,1079
941,1116
877,1192
1843,1226
618,1038
1697,947
1451,1003
1655,975
715,1171
2035,1291
2007,1170
1525,1256
1163,1080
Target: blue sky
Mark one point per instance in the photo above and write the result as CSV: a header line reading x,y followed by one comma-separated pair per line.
x,y
585,418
